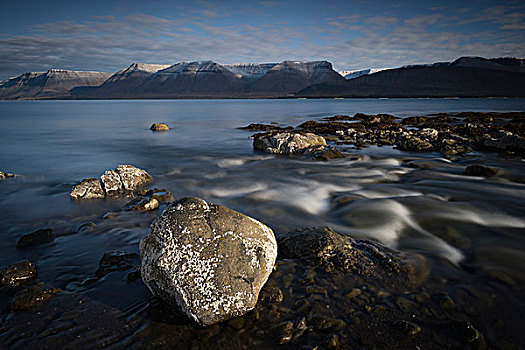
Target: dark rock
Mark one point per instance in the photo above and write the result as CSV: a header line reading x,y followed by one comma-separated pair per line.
x,y
116,261
289,143
474,337
328,155
87,189
38,237
322,323
86,227
283,332
17,273
162,195
32,297
264,127
339,117
326,128
159,127
353,293
271,294
364,259
409,328
207,260
237,323
142,204
480,170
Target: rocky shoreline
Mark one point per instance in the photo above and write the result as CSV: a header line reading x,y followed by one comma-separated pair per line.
x,y
318,288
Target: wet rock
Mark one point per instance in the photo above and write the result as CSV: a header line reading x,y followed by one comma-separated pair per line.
x,y
32,297
480,170
409,328
322,323
326,128
159,127
505,141
353,293
207,260
86,227
17,273
264,127
452,147
474,337
339,117
116,261
142,204
283,332
4,175
38,237
109,215
415,144
237,323
124,178
162,195
87,189
364,259
328,155
270,294
289,143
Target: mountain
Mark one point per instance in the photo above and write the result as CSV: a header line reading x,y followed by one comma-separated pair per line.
x,y
464,77
352,74
289,77
51,84
210,79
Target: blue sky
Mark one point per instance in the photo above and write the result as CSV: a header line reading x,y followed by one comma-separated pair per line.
x,y
109,35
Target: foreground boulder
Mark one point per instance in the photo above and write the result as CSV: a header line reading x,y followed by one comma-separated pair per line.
x,y
207,260
87,189
289,143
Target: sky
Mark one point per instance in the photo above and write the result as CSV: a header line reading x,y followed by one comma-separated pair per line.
x,y
110,35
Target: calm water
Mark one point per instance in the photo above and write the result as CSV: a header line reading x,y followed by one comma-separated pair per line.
x,y
453,220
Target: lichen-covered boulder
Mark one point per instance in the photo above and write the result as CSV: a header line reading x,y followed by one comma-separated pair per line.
x,y
207,260
87,189
124,178
289,143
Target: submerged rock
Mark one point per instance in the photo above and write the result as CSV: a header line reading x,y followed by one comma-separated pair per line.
x,y
289,143
17,273
142,204
32,297
116,261
264,127
87,189
6,175
124,178
480,170
365,260
328,155
38,237
159,127
207,260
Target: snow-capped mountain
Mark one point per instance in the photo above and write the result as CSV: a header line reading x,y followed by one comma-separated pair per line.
x,y
50,84
352,74
250,71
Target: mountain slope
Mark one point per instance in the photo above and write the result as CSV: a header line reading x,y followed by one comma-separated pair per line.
x,y
465,77
50,84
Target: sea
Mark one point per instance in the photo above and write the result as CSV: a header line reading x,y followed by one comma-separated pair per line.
x,y
465,226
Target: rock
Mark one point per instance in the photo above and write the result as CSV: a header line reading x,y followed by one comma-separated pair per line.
x,y
17,273
87,189
328,155
264,127
322,323
353,293
415,144
32,297
366,260
480,170
163,196
142,204
271,294
289,143
207,260
6,175
38,237
124,178
86,227
159,127
116,261
409,328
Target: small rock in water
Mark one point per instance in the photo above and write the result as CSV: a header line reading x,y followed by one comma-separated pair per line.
x,y
124,178
142,204
159,127
409,328
116,261
86,227
480,170
328,155
6,175
17,273
38,237
207,260
32,297
163,196
289,143
87,189
271,294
